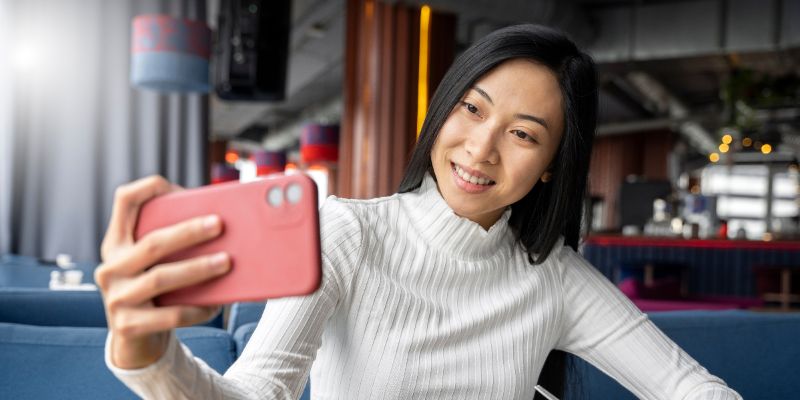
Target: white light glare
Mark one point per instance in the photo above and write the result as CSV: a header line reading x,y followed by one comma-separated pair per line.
x,y
25,56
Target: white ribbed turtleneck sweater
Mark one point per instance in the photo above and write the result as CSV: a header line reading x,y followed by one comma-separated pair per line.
x,y
418,303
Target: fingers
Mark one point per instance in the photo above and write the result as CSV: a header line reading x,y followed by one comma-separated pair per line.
x,y
127,201
168,277
162,242
131,323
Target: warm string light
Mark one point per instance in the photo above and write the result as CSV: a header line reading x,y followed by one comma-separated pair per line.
x,y
422,89
727,141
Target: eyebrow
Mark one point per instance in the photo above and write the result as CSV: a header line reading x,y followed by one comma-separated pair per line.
x,y
528,117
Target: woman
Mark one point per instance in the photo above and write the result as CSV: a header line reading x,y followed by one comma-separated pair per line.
x,y
459,286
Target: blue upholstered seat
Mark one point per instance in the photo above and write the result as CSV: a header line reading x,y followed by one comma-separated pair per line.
x,y
755,353
38,362
43,307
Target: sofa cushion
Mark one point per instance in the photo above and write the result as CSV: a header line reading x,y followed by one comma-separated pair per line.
x,y
754,353
44,307
68,362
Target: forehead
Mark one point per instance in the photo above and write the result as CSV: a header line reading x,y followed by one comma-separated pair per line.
x,y
521,80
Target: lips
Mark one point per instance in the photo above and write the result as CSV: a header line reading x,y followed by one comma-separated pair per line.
x,y
472,176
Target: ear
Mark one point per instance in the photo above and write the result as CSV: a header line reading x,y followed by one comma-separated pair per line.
x,y
546,176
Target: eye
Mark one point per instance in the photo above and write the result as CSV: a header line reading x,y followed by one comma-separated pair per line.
x,y
471,108
523,135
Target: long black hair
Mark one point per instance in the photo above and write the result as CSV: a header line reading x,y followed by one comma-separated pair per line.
x,y
548,210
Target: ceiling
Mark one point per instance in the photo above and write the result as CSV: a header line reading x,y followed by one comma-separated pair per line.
x,y
685,49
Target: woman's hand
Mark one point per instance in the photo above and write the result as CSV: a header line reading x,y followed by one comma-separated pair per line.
x,y
129,277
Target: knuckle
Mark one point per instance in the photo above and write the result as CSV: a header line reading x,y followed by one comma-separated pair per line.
x,y
156,181
156,280
114,303
101,276
151,245
126,329
122,194
123,326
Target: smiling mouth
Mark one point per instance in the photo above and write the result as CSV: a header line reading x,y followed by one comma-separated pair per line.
x,y
470,178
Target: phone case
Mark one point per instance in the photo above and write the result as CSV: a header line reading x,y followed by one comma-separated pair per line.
x,y
271,233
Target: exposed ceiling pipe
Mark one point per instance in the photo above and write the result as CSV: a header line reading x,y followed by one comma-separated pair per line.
x,y
479,17
698,136
621,128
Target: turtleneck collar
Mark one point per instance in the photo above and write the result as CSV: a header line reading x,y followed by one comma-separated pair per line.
x,y
445,231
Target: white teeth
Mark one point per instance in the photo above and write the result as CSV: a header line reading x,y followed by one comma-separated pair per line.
x,y
471,179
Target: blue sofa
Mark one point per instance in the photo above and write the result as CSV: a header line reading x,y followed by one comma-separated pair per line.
x,y
44,307
52,344
45,362
755,353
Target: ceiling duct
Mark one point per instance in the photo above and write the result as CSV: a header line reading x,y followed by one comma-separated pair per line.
x,y
670,29
477,18
697,136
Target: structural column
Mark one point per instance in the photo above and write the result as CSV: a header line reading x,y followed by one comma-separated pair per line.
x,y
388,48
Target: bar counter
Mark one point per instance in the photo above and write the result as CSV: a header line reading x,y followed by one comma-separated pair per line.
x,y
713,266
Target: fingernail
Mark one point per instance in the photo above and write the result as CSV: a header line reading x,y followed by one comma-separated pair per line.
x,y
219,261
211,222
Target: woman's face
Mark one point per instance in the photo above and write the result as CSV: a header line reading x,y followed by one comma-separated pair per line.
x,y
498,140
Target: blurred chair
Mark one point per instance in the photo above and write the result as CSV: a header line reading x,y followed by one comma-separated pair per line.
x,y
656,286
244,313
778,284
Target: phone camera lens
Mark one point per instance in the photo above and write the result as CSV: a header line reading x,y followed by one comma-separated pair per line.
x,y
293,193
275,197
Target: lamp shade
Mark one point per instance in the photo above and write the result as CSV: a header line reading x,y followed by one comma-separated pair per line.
x,y
170,54
319,143
269,162
221,172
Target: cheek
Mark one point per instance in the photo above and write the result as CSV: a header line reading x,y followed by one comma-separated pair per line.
x,y
524,173
446,140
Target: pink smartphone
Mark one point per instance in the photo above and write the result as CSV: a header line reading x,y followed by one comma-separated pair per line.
x,y
271,233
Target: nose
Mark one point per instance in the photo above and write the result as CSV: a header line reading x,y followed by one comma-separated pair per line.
x,y
482,146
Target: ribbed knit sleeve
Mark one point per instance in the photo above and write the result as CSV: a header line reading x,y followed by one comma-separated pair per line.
x,y
603,327
276,360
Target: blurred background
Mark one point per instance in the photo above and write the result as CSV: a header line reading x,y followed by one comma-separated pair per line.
x,y
697,139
